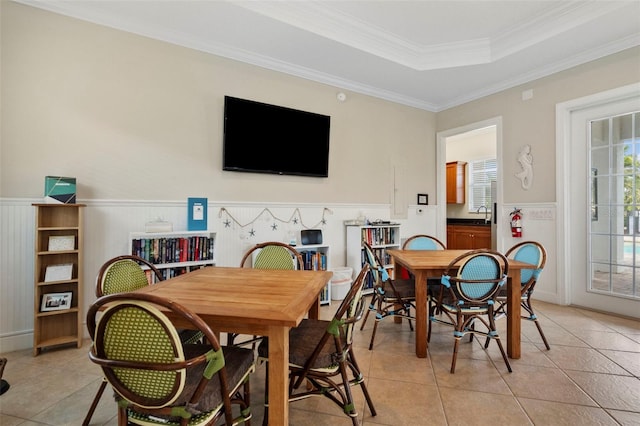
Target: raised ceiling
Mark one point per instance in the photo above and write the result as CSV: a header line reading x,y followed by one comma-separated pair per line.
x,y
427,54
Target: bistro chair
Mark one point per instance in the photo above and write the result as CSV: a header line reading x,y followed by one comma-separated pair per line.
x,y
467,296
321,356
123,274
426,242
529,252
390,298
156,378
267,255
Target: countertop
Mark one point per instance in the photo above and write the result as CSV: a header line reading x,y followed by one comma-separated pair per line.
x,y
466,221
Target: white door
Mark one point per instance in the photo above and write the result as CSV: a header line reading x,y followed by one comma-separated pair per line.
x,y
598,275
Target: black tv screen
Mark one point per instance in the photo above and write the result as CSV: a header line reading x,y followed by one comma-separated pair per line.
x,y
263,138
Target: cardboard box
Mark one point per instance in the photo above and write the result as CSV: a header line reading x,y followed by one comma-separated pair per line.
x,y
59,190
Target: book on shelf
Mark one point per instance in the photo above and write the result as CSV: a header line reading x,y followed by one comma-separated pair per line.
x,y
174,249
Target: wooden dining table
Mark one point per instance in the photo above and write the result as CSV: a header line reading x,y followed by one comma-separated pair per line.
x,y
250,301
433,263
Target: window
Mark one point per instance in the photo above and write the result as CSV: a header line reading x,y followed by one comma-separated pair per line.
x,y
481,173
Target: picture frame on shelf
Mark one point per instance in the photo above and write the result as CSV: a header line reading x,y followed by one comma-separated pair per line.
x,y
62,272
423,199
62,242
56,301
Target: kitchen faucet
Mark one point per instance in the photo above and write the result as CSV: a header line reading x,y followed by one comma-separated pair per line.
x,y
486,213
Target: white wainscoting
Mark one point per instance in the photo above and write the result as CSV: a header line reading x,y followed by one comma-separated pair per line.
x,y
538,223
109,222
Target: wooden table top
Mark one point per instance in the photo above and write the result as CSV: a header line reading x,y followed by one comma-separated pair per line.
x,y
227,296
437,259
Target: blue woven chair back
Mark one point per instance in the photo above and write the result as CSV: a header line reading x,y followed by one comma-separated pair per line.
x,y
423,243
529,253
479,268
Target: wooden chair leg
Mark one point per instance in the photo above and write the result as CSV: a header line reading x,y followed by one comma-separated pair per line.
x,y
94,404
265,417
455,355
373,334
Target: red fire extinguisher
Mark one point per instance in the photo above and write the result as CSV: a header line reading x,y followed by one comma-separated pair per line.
x,y
516,223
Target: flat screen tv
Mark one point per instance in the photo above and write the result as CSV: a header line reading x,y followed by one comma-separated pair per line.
x,y
263,138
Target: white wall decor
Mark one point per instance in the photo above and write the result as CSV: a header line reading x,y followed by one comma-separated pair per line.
x,y
526,163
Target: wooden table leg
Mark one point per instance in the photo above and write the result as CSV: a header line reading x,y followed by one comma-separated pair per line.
x,y
421,313
513,314
278,375
314,311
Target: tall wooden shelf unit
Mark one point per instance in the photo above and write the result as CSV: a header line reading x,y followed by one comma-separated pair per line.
x,y
63,326
174,253
380,238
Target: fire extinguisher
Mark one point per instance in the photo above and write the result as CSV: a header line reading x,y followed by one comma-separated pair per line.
x,y
516,223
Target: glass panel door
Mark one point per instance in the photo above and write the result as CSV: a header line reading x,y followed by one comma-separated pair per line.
x,y
614,198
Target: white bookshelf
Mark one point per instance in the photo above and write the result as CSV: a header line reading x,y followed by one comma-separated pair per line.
x,y
380,237
318,256
176,252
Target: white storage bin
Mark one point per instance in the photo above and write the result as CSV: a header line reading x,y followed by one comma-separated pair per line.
x,y
341,282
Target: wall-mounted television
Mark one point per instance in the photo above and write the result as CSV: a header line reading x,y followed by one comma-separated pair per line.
x,y
264,138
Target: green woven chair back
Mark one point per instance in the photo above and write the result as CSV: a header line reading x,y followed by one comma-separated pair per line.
x,y
139,332
123,276
274,257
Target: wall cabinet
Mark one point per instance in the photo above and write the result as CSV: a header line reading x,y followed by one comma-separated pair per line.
x,y
174,253
468,237
58,276
380,238
456,182
316,258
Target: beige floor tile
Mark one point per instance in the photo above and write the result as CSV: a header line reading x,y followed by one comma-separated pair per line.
x,y
634,336
626,418
401,403
555,336
586,378
609,391
608,340
464,407
556,413
471,374
7,420
402,368
549,384
629,361
584,359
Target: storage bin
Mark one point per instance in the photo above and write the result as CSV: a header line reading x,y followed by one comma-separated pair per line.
x,y
341,282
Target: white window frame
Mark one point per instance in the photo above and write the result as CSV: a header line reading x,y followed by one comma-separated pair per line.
x,y
481,173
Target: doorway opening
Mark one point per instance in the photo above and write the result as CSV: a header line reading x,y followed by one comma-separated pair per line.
x,y
479,145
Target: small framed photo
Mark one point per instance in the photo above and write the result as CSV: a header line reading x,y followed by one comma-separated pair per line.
x,y
423,199
62,242
62,272
56,301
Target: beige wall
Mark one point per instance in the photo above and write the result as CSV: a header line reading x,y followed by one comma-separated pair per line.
x,y
135,118
533,121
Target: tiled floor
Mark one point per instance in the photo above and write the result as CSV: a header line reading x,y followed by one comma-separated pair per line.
x,y
589,377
